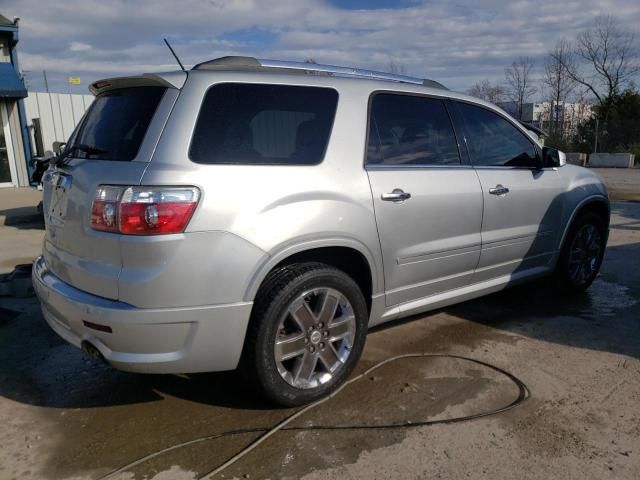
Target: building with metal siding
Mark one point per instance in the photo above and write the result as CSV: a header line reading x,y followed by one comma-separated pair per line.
x,y
15,144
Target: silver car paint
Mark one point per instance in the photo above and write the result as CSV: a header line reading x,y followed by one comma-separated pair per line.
x,y
420,260
449,242
146,340
521,229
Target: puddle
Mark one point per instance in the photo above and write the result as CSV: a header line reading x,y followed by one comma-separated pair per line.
x,y
404,392
607,298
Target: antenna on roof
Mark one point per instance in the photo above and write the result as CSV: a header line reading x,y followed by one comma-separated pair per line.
x,y
174,55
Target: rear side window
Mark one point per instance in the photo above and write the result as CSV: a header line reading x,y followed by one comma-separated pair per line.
x,y
410,130
115,125
263,125
493,141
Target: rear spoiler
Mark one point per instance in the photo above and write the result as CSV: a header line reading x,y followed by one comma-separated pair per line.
x,y
167,80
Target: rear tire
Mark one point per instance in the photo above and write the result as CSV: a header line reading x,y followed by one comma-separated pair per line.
x,y
307,332
582,254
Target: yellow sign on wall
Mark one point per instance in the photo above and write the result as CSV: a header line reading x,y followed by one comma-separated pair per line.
x,y
74,80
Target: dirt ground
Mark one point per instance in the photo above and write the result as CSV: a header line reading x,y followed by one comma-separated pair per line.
x,y
64,416
623,183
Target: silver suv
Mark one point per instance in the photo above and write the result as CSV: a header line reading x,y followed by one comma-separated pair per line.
x,y
262,214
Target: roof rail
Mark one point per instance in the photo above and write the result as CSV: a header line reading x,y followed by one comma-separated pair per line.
x,y
250,63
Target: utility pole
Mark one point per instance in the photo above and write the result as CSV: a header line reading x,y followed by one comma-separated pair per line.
x,y
46,83
25,77
595,141
53,117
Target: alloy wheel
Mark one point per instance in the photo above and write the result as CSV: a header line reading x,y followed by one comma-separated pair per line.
x,y
314,338
584,256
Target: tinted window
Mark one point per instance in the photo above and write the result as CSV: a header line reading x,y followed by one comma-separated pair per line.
x,y
264,124
115,125
410,130
492,140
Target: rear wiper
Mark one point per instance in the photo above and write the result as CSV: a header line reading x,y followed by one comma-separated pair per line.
x,y
78,147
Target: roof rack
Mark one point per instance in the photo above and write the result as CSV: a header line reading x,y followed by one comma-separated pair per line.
x,y
250,63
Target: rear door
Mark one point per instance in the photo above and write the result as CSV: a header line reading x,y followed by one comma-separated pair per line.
x,y
428,204
522,200
111,145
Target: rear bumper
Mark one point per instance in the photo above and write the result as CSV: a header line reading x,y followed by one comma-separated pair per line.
x,y
166,340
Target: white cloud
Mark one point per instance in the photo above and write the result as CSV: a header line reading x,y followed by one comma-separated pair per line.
x,y
455,42
79,47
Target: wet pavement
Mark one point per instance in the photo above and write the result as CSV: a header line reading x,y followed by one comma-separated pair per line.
x,y
64,415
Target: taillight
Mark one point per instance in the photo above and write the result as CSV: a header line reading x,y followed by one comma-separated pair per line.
x,y
104,210
143,210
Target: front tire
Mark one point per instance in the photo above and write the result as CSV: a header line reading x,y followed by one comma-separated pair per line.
x,y
306,334
582,254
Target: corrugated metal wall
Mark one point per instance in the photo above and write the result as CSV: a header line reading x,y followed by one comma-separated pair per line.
x,y
58,113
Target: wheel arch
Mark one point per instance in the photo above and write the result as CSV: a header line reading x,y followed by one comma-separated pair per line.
x,y
595,203
350,256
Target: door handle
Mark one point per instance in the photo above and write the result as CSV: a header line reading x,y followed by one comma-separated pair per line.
x,y
499,190
398,195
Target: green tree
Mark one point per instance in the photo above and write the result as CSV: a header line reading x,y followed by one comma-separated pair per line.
x,y
621,130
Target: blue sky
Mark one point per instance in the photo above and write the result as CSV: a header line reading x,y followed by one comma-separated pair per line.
x,y
456,42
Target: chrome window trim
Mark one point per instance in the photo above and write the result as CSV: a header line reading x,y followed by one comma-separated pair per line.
x,y
379,166
506,167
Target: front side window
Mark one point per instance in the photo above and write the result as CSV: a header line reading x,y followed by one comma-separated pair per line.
x,y
493,141
410,130
259,124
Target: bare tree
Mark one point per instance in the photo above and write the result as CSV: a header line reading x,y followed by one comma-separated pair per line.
x,y
491,92
558,84
611,57
519,84
395,67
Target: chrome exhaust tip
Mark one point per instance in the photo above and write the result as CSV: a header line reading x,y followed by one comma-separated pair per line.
x,y
92,351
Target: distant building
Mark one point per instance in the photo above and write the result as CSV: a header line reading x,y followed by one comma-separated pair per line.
x,y
570,115
15,146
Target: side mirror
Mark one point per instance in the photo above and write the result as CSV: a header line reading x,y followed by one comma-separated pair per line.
x,y
58,147
552,157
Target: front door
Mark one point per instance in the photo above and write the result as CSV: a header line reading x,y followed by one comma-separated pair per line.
x,y
428,205
7,160
522,201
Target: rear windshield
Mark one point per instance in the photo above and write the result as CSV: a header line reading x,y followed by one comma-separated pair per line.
x,y
115,125
263,125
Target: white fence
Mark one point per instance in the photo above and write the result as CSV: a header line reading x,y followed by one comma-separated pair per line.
x,y
58,113
612,160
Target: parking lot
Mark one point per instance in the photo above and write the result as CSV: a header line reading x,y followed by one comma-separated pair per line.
x,y
66,416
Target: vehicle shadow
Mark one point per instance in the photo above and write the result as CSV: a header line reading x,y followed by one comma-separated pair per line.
x,y
39,368
24,218
628,211
604,318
